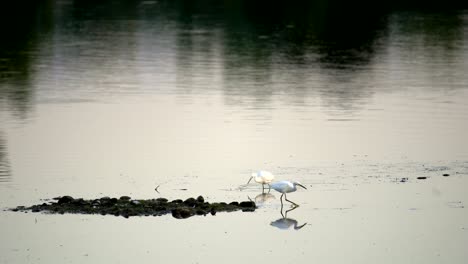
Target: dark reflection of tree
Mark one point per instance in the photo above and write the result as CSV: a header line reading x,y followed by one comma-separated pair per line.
x,y
247,71
104,9
333,39
435,39
310,38
345,53
195,52
440,29
253,41
5,171
20,26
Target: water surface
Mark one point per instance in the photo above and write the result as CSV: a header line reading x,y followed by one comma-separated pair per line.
x,y
116,99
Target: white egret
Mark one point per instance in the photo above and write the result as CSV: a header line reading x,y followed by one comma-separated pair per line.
x,y
286,187
262,177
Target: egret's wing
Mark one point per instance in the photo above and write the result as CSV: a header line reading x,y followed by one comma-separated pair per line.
x,y
266,176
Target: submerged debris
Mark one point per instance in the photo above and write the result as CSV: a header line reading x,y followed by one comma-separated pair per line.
x,y
126,207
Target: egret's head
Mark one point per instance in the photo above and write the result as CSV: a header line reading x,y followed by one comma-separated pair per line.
x,y
252,176
299,184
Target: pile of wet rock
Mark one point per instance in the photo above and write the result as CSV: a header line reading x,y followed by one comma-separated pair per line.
x,y
126,206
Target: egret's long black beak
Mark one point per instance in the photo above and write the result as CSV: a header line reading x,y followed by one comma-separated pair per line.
x,y
301,185
250,180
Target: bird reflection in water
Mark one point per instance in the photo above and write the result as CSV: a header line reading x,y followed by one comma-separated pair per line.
x,y
262,198
285,223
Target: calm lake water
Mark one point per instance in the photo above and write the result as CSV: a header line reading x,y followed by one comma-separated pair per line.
x,y
115,99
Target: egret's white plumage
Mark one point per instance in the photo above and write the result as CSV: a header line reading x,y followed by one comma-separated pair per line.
x,y
286,187
262,177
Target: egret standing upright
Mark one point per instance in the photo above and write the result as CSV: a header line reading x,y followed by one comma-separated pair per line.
x,y
263,177
286,187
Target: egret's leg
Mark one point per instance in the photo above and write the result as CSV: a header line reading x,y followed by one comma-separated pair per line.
x,y
263,188
269,187
287,211
295,204
282,206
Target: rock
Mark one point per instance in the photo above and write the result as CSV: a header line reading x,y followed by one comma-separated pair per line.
x,y
96,202
200,212
19,208
247,204
160,208
234,203
200,199
421,178
65,199
105,199
125,198
190,202
78,201
182,213
445,174
162,200
177,201
204,206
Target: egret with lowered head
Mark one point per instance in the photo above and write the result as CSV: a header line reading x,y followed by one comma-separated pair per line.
x,y
263,177
286,187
